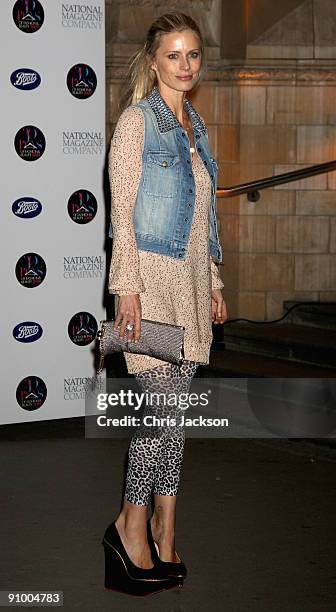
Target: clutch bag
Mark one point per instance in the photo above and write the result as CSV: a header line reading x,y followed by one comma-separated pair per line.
x,y
160,340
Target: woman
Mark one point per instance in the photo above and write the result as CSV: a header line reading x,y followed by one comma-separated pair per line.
x,y
165,243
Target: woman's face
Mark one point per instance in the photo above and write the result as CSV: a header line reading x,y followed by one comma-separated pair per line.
x,y
179,55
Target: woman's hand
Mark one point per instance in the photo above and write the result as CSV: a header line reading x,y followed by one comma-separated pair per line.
x,y
129,312
218,307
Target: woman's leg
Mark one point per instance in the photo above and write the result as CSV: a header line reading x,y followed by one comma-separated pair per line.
x,y
143,458
155,459
149,441
170,461
168,476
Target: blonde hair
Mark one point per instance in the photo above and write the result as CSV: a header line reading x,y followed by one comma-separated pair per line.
x,y
141,78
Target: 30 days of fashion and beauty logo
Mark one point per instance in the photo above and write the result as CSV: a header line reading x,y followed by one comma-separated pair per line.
x,y
28,15
82,328
29,143
30,270
81,81
82,16
83,142
25,78
31,393
82,206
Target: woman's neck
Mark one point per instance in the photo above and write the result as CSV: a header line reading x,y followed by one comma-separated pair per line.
x,y
175,101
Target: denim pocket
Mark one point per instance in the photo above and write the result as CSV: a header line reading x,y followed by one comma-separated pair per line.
x,y
162,173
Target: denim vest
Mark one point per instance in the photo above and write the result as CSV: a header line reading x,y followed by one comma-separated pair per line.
x,y
165,202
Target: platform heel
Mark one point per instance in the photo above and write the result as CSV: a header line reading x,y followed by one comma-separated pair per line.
x,y
122,575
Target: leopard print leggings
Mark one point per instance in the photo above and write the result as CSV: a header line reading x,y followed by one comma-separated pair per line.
x,y
156,452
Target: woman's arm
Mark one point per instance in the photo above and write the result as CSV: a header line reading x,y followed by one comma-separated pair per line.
x,y
216,281
125,168
218,306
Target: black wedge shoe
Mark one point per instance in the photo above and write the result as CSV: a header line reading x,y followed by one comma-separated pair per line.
x,y
122,575
172,570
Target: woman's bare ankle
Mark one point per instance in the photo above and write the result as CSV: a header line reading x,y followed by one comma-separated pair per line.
x,y
134,542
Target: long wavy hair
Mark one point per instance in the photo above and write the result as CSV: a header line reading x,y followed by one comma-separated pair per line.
x,y
141,78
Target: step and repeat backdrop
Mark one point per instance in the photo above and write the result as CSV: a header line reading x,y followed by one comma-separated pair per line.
x,y
52,83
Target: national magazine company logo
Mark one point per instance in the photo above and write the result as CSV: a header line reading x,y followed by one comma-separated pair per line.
x,y
82,16
83,266
78,387
84,142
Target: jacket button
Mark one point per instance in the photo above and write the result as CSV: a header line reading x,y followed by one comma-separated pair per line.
x,y
186,219
165,163
183,249
190,190
199,149
180,254
183,236
188,161
190,174
190,205
205,161
185,148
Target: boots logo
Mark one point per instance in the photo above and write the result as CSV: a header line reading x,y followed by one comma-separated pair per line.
x,y
28,331
31,393
81,81
82,206
29,143
28,15
82,328
26,208
25,78
30,270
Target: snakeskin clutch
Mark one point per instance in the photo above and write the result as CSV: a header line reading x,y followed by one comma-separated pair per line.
x,y
160,340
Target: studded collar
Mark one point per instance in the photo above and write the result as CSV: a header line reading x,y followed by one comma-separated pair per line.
x,y
165,117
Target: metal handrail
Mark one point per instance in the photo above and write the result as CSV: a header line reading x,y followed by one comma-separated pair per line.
x,y
253,188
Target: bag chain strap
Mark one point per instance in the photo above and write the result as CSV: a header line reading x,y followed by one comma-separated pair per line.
x,y
101,354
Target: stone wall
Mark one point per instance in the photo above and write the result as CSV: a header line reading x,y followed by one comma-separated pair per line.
x,y
267,116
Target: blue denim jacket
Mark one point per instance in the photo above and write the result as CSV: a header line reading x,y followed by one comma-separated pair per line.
x,y
165,202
